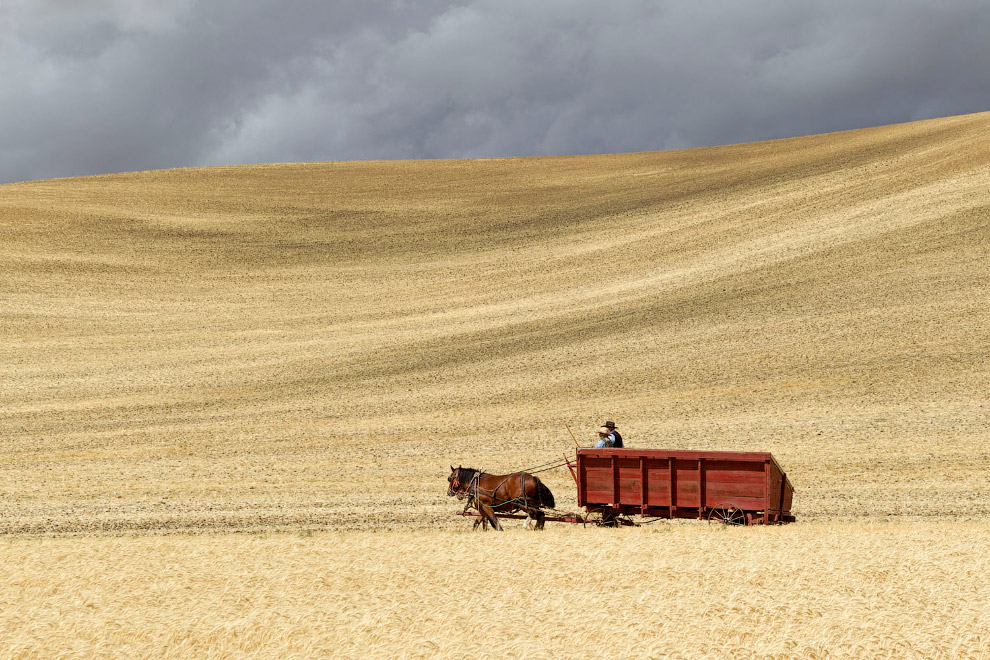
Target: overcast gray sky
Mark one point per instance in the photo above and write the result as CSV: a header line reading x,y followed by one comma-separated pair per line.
x,y
94,86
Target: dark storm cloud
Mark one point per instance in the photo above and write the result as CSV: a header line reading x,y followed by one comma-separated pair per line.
x,y
102,86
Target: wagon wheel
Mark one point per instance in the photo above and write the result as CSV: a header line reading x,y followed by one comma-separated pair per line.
x,y
609,517
727,514
606,518
603,517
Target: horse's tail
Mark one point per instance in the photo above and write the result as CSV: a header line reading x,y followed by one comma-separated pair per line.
x,y
543,494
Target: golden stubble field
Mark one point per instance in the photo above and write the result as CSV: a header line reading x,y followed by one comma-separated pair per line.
x,y
844,590
297,353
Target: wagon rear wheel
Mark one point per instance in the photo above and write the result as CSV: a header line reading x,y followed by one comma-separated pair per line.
x,y
727,514
606,517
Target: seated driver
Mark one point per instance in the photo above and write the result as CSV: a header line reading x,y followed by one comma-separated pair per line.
x,y
608,436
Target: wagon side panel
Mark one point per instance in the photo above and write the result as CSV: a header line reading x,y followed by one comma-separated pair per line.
x,y
657,482
688,484
788,497
683,484
672,486
579,478
631,474
774,492
596,479
738,483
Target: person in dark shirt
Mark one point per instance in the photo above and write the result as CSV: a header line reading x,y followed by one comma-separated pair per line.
x,y
608,436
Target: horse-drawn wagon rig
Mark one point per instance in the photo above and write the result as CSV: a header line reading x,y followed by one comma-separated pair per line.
x,y
728,487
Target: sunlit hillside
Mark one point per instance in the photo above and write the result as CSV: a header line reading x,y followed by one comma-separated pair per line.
x,y
312,345
303,349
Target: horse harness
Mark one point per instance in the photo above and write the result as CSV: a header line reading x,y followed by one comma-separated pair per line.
x,y
473,497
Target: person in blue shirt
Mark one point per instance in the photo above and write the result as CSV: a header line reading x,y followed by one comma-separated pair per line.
x,y
608,436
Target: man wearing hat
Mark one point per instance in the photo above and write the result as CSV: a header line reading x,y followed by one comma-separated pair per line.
x,y
608,436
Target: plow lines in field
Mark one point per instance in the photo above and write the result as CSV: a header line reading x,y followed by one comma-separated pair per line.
x,y
263,372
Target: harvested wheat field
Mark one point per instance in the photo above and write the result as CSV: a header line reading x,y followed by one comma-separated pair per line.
x,y
297,353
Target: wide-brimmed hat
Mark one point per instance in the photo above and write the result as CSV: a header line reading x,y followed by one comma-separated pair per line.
x,y
604,430
608,425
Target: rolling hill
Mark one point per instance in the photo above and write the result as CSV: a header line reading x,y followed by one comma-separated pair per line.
x,y
297,352
277,346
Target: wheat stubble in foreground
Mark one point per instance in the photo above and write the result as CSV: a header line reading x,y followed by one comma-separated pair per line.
x,y
687,591
294,348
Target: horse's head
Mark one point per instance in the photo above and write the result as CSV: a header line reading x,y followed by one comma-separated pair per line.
x,y
458,481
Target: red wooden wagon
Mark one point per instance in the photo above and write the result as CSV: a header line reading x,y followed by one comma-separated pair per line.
x,y
733,487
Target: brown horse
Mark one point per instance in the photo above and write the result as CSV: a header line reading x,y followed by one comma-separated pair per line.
x,y
503,493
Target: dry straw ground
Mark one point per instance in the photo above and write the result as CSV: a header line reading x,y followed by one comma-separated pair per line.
x,y
682,591
288,349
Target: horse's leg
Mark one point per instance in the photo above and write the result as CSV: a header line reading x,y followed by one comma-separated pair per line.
x,y
530,492
484,511
489,513
541,520
478,520
495,500
531,516
536,519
